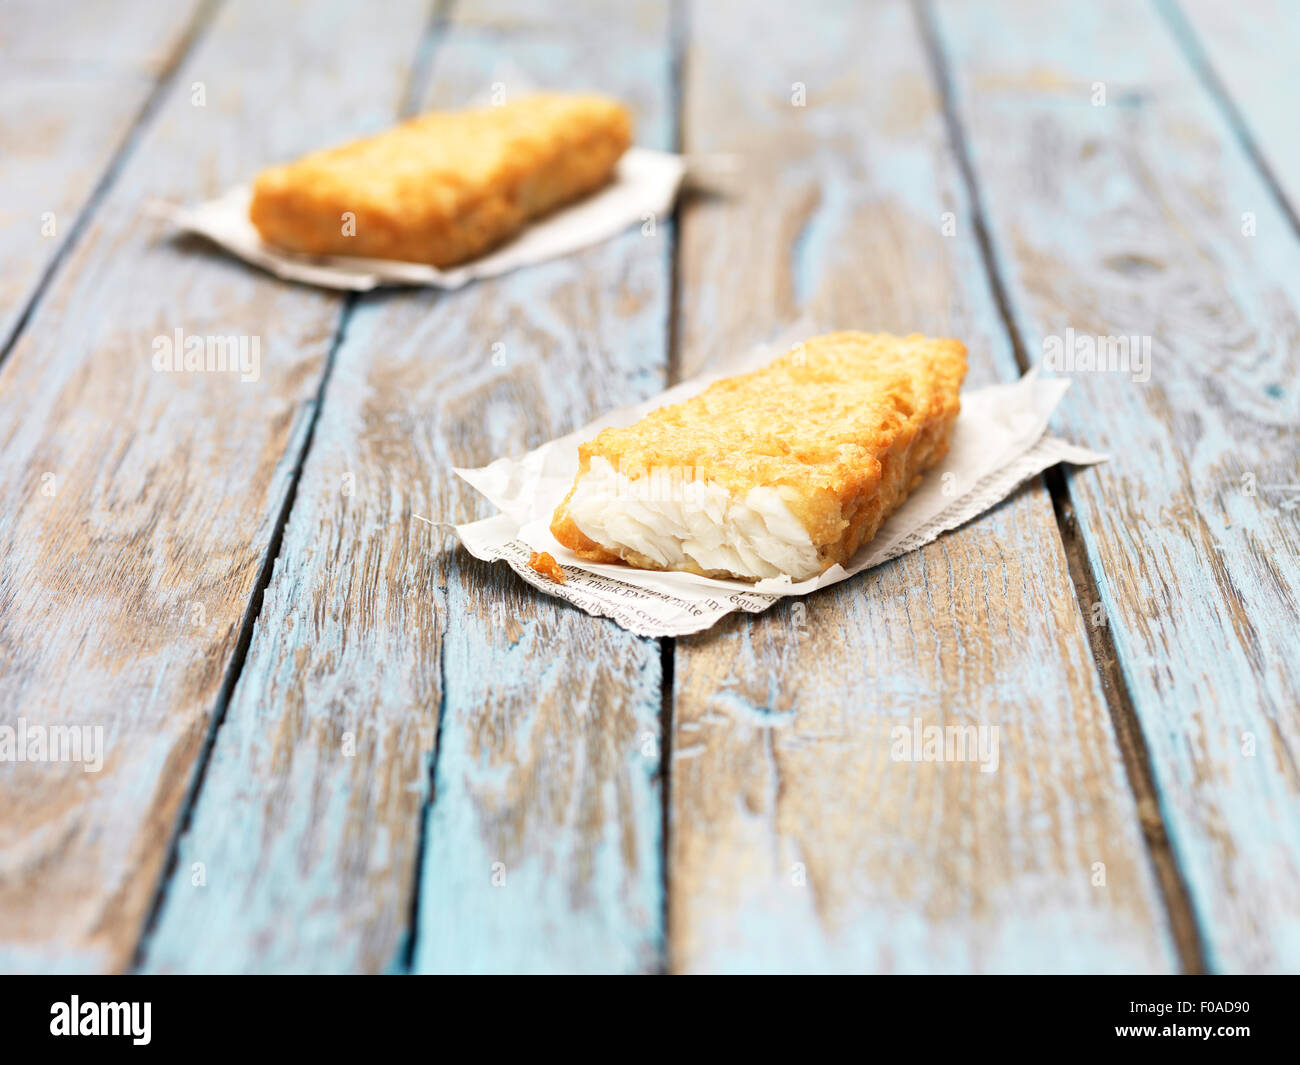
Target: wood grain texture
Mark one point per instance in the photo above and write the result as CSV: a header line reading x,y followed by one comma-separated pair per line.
x,y
796,841
1129,219
543,840
1251,47
72,85
542,843
138,505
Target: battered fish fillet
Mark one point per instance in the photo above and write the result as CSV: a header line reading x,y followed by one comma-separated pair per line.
x,y
786,470
444,187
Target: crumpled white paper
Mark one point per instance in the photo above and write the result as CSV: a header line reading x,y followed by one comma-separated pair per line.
x,y
645,184
1000,441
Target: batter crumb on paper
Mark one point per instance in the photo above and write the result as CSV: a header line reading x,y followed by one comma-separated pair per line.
x,y
541,562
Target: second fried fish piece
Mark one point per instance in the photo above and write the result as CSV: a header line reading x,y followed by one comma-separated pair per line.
x,y
444,187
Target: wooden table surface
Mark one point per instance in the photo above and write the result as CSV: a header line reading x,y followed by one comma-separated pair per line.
x,y
333,741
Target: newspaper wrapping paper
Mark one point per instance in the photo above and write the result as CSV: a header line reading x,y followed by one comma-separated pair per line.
x,y
1000,441
645,185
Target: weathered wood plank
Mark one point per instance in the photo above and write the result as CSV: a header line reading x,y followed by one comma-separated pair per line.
x,y
796,842
1127,217
1252,46
137,506
543,840
375,624
72,85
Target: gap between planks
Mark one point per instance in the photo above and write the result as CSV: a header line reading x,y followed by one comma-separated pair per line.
x,y
1137,760
1189,43
421,73
199,23
421,70
678,34
406,956
240,654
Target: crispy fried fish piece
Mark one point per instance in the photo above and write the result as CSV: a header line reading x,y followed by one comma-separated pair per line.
x,y
444,187
786,470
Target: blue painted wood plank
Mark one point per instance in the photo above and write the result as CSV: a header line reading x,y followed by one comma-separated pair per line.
x,y
543,840
72,87
1117,195
137,505
797,840
541,849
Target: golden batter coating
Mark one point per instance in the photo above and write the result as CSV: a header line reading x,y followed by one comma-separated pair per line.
x,y
841,427
444,187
